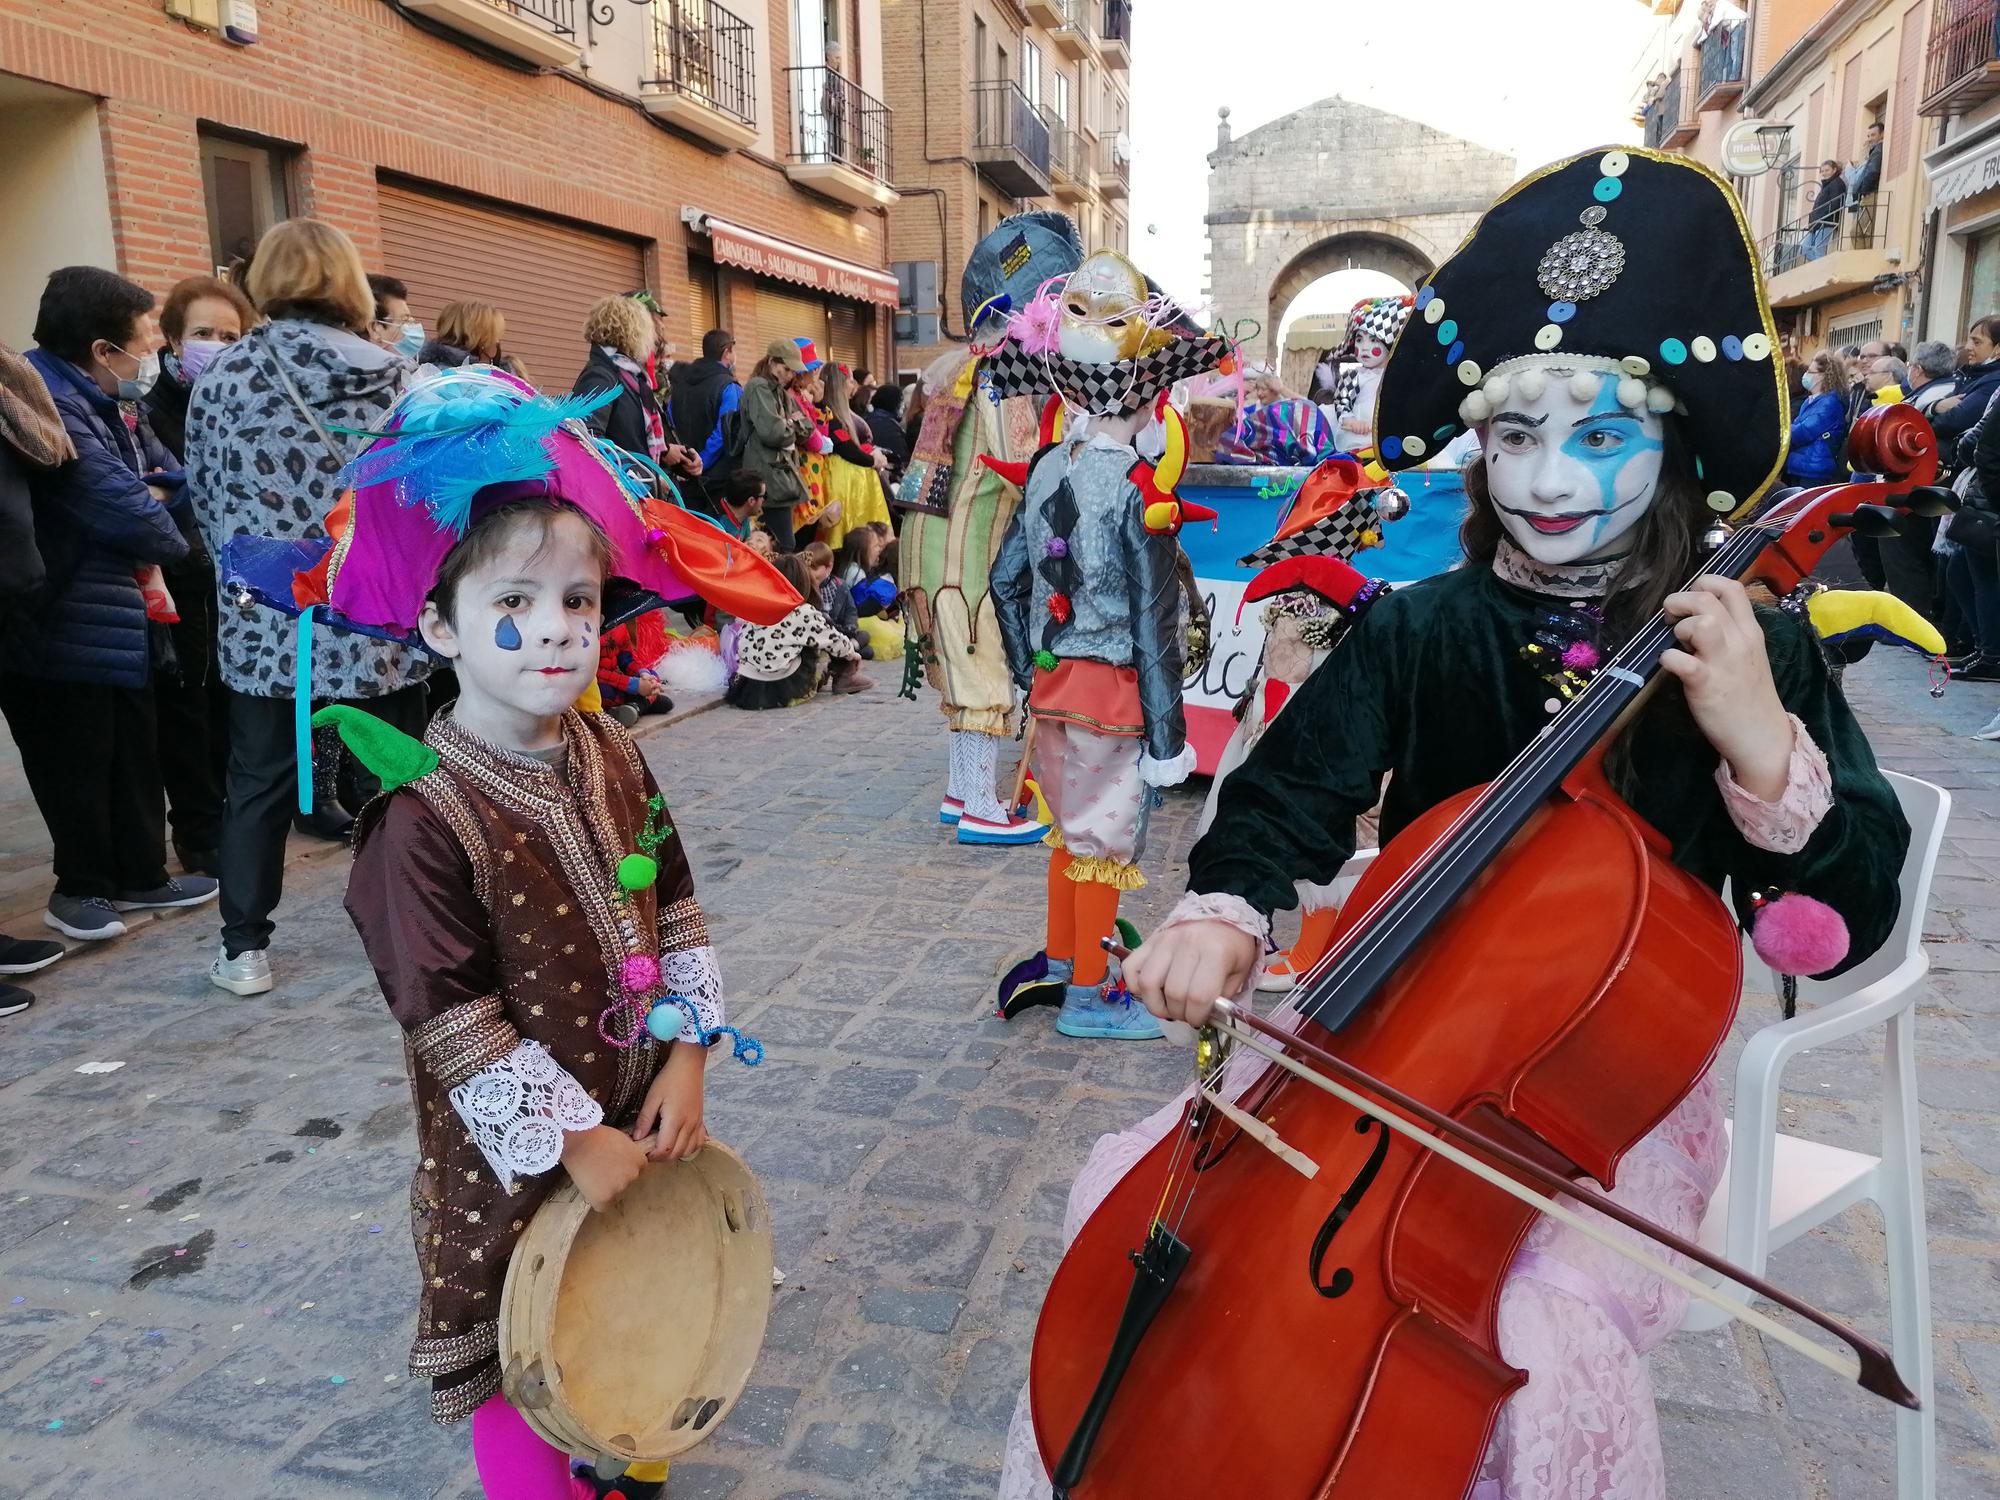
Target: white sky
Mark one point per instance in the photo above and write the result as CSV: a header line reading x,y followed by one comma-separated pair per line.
x,y
1536,78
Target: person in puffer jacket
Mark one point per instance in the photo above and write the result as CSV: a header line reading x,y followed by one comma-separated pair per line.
x,y
77,662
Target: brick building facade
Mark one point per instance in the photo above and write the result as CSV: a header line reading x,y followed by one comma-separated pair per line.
x,y
519,150
1000,107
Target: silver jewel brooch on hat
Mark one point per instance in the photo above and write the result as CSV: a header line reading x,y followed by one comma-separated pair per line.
x,y
1580,266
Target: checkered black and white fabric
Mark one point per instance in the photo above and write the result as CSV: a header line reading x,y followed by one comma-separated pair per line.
x,y
1108,390
1338,535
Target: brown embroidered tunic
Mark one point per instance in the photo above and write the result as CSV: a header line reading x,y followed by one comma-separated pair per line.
x,y
486,899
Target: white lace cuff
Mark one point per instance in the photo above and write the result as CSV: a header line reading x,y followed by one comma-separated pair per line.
x,y
692,974
1783,826
1219,906
518,1110
1167,772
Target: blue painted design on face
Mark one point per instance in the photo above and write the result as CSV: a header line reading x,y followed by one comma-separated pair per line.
x,y
507,635
1606,440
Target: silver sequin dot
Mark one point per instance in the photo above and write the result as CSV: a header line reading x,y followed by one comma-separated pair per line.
x,y
1551,706
1592,216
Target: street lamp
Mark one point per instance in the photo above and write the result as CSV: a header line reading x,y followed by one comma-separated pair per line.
x,y
1774,143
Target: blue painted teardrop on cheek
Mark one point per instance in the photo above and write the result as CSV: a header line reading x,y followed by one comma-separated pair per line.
x,y
507,635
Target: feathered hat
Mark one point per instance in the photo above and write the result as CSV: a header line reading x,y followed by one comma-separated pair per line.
x,y
461,442
1619,260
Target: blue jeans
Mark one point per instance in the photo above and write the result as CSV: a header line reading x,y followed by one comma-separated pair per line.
x,y
1818,240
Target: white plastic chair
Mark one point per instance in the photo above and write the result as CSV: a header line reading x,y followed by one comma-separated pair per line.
x,y
1777,1187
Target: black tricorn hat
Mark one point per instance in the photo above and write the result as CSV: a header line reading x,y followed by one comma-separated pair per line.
x,y
1620,258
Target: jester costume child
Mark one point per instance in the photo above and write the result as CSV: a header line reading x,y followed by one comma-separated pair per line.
x,y
530,915
1604,332
1090,598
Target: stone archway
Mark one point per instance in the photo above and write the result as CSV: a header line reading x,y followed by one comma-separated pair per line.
x,y
1363,249
1335,181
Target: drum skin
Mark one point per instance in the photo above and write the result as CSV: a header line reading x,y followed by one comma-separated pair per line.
x,y
632,1332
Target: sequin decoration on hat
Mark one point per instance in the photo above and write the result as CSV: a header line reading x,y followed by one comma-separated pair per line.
x,y
1620,259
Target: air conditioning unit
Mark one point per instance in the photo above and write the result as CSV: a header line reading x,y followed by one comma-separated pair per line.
x,y
917,328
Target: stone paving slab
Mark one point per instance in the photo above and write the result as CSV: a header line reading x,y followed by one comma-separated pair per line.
x,y
205,1272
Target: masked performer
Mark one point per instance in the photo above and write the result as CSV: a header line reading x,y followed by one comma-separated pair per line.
x,y
957,509
1372,330
521,891
1090,599
1604,330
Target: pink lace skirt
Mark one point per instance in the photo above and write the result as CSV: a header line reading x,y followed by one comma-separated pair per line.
x,y
1577,1317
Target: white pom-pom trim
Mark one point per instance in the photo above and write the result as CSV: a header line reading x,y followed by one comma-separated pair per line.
x,y
1659,400
1531,385
1631,393
1495,390
1474,409
1583,385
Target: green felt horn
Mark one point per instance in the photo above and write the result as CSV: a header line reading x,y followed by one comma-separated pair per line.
x,y
393,757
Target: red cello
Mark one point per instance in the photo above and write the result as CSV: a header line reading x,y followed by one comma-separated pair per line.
x,y
1343,1327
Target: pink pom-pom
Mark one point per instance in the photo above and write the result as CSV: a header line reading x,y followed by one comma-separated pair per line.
x,y
1034,326
640,974
656,536
1798,935
1581,656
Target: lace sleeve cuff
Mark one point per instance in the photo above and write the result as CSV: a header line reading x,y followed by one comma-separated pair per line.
x,y
520,1108
692,974
1783,826
1170,772
1219,906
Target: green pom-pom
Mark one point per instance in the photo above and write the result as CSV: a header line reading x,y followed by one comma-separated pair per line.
x,y
1046,660
637,871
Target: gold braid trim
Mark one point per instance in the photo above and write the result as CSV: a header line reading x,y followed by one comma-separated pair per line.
x,y
1095,869
456,1402
457,1043
683,926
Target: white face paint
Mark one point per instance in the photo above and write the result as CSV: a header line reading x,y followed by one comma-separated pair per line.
x,y
1570,478
1371,353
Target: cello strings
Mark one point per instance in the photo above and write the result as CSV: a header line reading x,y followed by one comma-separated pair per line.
x,y
1517,781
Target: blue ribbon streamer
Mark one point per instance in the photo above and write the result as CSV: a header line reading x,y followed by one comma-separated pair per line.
x,y
302,697
746,1049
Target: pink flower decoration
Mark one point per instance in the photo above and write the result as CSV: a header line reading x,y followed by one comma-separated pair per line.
x,y
1035,326
1581,656
640,974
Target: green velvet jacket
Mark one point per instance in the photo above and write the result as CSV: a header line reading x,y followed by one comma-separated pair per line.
x,y
1430,686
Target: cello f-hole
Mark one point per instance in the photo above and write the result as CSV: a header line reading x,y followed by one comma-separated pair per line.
x,y
1342,1280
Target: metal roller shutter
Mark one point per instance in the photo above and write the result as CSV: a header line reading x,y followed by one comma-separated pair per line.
x,y
704,305
848,334
543,274
785,315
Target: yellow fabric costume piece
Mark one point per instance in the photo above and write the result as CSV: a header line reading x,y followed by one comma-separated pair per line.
x,y
858,492
590,700
1839,613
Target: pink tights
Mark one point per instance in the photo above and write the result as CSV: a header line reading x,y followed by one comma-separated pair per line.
x,y
515,1464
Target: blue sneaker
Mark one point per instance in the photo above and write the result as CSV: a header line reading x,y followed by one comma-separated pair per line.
x,y
1088,1011
1040,980
973,830
950,811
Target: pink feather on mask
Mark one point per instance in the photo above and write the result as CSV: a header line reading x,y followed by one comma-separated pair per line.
x,y
1034,327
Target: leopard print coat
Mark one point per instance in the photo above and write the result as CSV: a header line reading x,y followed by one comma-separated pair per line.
x,y
256,467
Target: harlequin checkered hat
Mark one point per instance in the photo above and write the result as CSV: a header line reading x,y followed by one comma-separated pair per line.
x,y
1620,260
1377,318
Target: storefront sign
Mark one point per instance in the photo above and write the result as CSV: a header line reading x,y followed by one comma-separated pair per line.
x,y
766,255
1967,176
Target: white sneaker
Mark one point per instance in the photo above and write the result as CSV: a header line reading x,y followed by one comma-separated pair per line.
x,y
248,973
1990,732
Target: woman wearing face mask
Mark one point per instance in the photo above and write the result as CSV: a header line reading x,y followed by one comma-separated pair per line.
x,y
77,664
395,326
275,418
1604,332
1820,424
201,317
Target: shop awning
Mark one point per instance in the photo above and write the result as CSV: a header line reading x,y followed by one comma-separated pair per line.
x,y
767,255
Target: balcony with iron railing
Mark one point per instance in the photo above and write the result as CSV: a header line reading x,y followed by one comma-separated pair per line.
x,y
839,139
1809,262
1722,66
1049,13
1070,175
542,32
1010,140
1962,59
703,71
1114,166
1116,42
1668,122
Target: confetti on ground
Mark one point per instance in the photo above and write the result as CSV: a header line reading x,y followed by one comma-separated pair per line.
x,y
388,1379
235,1327
307,1306
93,1260
103,1067
17,1301
97,1380
336,1380
189,1218
374,1228
55,1425
258,1381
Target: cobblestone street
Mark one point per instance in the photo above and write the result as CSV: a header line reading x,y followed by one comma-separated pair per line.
x,y
205,1268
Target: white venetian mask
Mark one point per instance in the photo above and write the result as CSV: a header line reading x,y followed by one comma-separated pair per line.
x,y
1570,468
